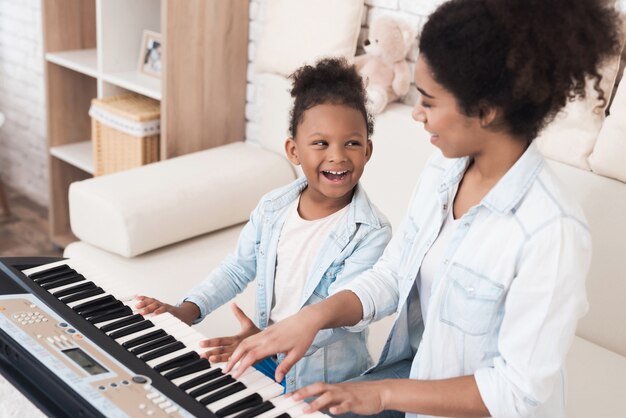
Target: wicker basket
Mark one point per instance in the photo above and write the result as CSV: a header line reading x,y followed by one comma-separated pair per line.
x,y
125,132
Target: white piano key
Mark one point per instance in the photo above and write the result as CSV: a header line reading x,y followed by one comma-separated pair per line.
x,y
89,299
167,357
122,340
281,404
250,389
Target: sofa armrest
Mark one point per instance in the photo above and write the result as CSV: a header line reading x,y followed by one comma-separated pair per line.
x,y
135,211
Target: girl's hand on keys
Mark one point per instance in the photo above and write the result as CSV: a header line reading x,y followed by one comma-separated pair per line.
x,y
292,336
226,345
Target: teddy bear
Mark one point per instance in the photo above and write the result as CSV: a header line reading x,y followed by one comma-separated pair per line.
x,y
383,66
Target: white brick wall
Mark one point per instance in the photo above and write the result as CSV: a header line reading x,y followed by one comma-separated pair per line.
x,y
23,155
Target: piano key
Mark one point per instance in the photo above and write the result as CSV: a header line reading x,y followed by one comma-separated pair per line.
x,y
154,344
198,380
99,309
149,337
255,411
121,323
48,272
82,294
62,282
90,302
160,352
213,385
47,280
69,290
261,386
197,365
281,404
177,362
222,393
122,340
131,329
114,313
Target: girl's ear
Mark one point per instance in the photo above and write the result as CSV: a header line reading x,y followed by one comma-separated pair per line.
x,y
291,150
369,149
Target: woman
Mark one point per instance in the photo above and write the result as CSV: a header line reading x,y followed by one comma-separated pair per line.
x,y
487,271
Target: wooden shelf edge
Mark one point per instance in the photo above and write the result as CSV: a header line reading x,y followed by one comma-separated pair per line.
x,y
84,61
77,154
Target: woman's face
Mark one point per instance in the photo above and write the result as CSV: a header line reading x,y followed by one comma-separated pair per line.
x,y
453,132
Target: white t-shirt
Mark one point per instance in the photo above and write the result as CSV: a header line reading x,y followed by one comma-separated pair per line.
x,y
299,243
432,262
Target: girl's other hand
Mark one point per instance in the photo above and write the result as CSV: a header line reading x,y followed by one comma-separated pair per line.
x,y
226,345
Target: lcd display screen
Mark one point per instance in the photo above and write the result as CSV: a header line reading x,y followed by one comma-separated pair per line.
x,y
84,361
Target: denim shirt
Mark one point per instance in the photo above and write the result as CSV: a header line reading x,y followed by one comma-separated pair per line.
x,y
509,292
350,249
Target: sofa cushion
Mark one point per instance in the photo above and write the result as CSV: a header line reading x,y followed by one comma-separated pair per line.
x,y
607,158
595,379
135,211
571,136
299,32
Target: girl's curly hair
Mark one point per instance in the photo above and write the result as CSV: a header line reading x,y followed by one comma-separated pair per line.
x,y
526,57
330,80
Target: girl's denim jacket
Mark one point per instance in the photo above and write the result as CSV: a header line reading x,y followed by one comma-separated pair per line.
x,y
352,248
508,294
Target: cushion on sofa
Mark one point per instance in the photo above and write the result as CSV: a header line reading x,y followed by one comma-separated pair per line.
x,y
300,32
135,211
607,158
571,136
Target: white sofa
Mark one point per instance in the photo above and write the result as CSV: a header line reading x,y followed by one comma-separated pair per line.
x,y
163,227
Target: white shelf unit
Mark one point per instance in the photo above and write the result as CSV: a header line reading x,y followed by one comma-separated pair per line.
x,y
91,50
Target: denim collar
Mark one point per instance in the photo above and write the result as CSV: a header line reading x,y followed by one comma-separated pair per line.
x,y
360,209
509,190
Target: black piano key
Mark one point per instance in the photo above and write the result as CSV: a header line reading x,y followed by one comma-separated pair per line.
x,y
178,361
122,323
57,276
62,282
142,339
193,367
97,310
222,393
131,329
213,374
283,415
82,295
248,402
256,411
95,302
154,344
74,289
159,352
53,270
119,312
223,381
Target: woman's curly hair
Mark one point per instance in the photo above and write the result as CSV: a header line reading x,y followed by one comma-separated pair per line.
x,y
526,57
329,81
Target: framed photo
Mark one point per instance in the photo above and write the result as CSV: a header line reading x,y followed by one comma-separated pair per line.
x,y
150,54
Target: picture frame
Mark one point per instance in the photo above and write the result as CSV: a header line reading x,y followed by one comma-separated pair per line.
x,y
150,54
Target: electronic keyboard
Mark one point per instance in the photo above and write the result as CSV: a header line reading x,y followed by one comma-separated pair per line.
x,y
73,343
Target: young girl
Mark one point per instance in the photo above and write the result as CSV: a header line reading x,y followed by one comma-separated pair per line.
x,y
305,240
488,269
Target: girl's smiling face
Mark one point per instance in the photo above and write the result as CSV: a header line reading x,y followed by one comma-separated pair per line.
x,y
332,146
